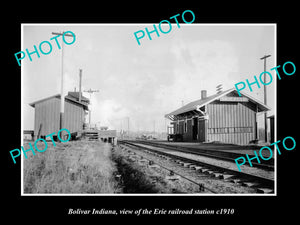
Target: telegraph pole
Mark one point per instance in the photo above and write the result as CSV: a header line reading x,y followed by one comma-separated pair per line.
x,y
128,127
90,91
62,98
154,127
265,96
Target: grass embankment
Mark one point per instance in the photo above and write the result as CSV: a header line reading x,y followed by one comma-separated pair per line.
x,y
72,167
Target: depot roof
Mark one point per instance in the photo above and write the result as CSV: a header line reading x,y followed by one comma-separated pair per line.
x,y
68,97
196,105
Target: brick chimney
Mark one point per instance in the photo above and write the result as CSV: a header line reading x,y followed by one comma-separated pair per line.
x,y
203,94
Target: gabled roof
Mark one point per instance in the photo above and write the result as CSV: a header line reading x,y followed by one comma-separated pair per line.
x,y
196,105
67,97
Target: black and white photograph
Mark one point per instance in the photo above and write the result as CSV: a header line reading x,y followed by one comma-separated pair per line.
x,y
148,116
131,112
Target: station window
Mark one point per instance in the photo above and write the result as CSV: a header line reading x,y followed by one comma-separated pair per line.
x,y
185,126
227,130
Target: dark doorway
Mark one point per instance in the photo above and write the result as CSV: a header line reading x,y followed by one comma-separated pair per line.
x,y
195,128
201,130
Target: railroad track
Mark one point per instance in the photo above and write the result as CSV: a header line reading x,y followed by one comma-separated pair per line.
x,y
260,184
222,155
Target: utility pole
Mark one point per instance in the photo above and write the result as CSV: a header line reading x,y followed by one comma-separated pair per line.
x,y
62,98
128,126
265,96
80,78
154,127
90,91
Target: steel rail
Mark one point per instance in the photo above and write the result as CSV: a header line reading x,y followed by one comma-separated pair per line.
x,y
265,182
228,156
201,185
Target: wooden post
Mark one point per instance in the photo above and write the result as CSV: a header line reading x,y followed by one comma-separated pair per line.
x,y
62,98
39,132
265,98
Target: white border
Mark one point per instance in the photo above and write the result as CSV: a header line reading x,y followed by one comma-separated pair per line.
x,y
134,24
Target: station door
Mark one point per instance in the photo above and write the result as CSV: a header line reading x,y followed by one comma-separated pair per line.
x,y
195,128
201,130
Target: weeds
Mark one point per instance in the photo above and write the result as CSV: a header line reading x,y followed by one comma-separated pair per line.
x,y
76,167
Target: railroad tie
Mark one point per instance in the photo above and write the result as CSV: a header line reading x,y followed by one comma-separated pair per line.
x,y
198,168
227,176
204,170
192,166
219,175
249,184
209,172
186,164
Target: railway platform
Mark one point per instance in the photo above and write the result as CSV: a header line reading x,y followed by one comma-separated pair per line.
x,y
223,147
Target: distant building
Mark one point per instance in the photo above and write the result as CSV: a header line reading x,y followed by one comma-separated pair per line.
x,y
47,112
108,135
103,128
224,117
272,129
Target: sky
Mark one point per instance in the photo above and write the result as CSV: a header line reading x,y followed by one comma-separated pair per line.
x,y
142,83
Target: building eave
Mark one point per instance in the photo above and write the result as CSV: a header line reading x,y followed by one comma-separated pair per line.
x,y
192,107
85,105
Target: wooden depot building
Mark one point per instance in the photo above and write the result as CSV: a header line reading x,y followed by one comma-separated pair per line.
x,y
223,117
47,111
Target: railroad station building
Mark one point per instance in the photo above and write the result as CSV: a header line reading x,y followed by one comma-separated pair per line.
x,y
223,117
47,110
46,119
